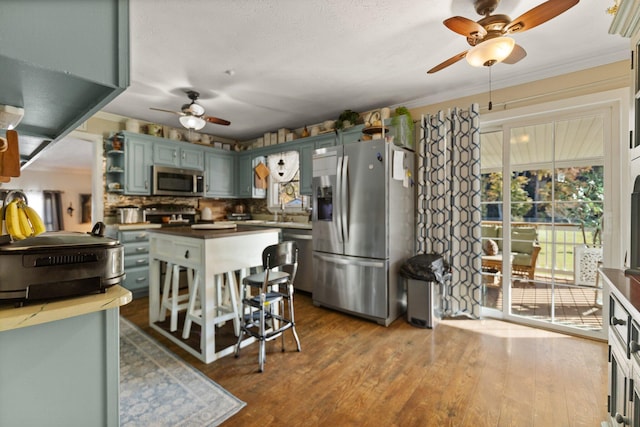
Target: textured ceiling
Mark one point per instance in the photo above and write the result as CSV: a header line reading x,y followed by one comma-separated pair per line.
x,y
301,62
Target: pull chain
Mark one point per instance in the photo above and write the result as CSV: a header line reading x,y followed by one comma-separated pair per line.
x,y
490,103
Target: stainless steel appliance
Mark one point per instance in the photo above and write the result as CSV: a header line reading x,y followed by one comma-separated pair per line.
x,y
363,227
304,275
168,181
59,264
130,215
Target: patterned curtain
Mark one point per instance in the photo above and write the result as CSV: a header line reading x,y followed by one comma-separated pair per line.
x,y
449,213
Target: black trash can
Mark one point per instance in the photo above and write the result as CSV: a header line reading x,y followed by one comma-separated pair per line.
x,y
425,276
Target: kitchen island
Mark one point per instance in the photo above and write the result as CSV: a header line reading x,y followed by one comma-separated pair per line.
x,y
207,253
60,360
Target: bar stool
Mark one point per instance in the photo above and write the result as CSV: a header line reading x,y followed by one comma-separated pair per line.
x,y
225,305
263,315
172,300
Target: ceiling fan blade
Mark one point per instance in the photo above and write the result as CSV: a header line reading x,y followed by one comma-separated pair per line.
x,y
216,120
448,62
465,27
516,55
539,15
179,113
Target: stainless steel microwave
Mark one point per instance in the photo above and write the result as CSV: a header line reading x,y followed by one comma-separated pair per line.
x,y
168,181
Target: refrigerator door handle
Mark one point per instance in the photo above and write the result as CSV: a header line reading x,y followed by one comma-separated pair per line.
x,y
338,206
344,193
342,261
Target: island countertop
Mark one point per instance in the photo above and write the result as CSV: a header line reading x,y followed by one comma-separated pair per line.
x,y
187,231
36,313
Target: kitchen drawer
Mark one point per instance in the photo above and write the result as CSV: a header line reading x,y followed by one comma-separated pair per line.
x,y
136,248
620,321
190,253
133,236
634,343
182,252
135,261
137,279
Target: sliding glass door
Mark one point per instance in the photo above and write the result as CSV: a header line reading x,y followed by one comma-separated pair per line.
x,y
542,238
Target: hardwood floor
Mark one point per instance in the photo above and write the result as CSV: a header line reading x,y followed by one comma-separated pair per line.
x,y
352,372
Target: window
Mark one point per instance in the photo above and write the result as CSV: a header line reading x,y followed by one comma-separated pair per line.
x,y
284,183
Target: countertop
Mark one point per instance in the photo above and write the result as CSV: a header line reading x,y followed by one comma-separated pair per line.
x,y
624,286
136,226
35,313
251,222
187,231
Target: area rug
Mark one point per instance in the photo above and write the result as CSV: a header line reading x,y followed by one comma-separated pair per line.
x,y
159,389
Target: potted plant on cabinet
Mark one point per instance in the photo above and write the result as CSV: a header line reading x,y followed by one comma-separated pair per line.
x,y
347,119
403,127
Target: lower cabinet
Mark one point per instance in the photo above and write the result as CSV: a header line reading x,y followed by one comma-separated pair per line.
x,y
136,261
624,366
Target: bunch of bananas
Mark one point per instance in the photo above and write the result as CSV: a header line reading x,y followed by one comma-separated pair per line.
x,y
22,221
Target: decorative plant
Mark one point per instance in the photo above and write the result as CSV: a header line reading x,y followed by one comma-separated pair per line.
x,y
396,123
347,116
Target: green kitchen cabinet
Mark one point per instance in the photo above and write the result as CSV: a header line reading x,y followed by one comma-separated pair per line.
x,y
306,150
62,61
136,260
306,166
244,175
179,155
220,167
352,134
137,165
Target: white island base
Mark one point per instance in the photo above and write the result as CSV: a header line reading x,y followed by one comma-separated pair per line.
x,y
207,253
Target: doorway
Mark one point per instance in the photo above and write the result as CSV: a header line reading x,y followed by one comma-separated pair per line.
x,y
543,238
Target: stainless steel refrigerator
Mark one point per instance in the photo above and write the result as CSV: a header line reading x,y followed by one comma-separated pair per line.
x,y
363,227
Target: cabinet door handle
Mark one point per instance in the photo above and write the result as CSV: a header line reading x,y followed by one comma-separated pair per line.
x,y
634,347
615,321
142,249
141,279
186,254
146,184
621,420
141,261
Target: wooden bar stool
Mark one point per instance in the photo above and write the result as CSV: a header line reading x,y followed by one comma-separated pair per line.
x,y
171,298
226,304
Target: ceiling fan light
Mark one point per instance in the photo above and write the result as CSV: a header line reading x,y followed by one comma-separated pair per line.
x,y
192,122
10,116
490,51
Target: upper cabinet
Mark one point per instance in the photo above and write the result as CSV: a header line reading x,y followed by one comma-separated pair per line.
x,y
306,158
219,174
626,23
137,165
43,73
179,155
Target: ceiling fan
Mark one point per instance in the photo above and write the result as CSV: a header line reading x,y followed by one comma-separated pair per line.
x,y
192,115
488,36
